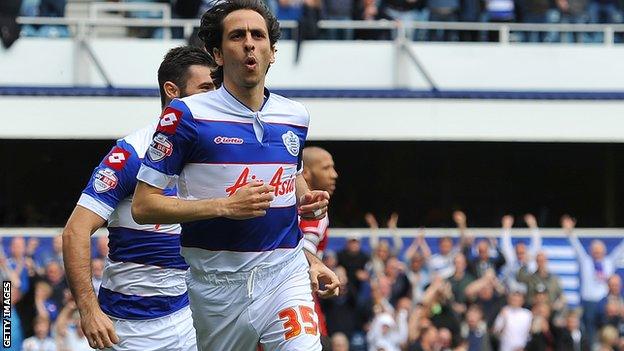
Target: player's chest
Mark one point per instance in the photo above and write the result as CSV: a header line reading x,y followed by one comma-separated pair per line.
x,y
255,142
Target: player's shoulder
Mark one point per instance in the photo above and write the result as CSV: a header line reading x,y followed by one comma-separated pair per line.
x,y
292,109
198,103
138,141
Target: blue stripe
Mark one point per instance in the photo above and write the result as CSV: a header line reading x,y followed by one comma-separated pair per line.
x,y
139,307
272,149
337,93
143,247
277,229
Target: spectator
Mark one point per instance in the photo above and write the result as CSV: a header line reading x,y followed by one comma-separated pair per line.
x,y
428,340
381,248
40,341
498,11
487,292
53,8
459,282
339,10
470,11
594,271
542,281
540,11
520,263
474,331
477,266
614,294
339,342
441,263
395,272
44,304
388,333
97,272
445,339
417,273
22,265
513,323
367,10
609,339
571,337
603,11
289,10
69,335
542,332
443,11
354,261
575,12
438,304
102,247
611,315
55,276
404,11
341,312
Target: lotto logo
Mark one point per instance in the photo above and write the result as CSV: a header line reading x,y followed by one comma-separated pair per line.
x,y
117,158
226,140
169,120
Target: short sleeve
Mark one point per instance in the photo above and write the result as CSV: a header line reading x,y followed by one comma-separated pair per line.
x,y
173,141
112,180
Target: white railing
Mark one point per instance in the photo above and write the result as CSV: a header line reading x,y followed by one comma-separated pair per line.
x,y
84,26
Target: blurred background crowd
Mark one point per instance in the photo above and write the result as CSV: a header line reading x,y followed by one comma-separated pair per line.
x,y
308,12
465,293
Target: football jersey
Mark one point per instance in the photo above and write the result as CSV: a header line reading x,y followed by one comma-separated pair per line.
x,y
144,273
212,145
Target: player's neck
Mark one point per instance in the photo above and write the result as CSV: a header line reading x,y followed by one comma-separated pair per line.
x,y
252,97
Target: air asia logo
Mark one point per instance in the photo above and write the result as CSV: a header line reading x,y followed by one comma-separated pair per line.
x,y
226,140
105,180
169,120
117,158
291,141
160,148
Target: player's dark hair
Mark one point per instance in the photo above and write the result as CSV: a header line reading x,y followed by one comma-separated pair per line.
x,y
211,28
174,67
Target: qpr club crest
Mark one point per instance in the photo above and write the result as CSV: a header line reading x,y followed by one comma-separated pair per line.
x,y
105,180
291,141
160,148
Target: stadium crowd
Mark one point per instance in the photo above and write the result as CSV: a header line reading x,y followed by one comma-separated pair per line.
x,y
466,294
308,12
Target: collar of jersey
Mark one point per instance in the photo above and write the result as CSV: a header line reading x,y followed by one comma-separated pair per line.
x,y
238,106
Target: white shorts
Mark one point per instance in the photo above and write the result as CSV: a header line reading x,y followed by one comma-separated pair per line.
x,y
269,306
174,332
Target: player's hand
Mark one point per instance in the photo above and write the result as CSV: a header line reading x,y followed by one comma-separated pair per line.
x,y
321,275
313,204
251,200
98,328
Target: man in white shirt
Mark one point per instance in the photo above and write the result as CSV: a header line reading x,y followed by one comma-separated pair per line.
x,y
513,322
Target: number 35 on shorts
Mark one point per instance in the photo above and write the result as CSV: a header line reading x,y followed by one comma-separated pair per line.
x,y
297,320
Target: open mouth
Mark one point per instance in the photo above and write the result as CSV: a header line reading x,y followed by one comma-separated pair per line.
x,y
251,63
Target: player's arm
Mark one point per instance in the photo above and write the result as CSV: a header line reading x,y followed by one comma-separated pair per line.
x,y
97,326
150,205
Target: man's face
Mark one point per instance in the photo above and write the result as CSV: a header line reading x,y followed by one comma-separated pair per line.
x,y
445,246
198,81
615,284
483,248
521,252
18,247
321,175
597,250
542,262
246,51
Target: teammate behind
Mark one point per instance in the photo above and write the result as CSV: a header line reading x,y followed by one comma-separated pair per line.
x,y
236,156
320,174
143,303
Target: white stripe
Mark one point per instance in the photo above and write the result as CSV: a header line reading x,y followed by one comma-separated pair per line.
x,y
143,280
562,252
154,178
122,217
207,181
563,267
570,283
96,206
